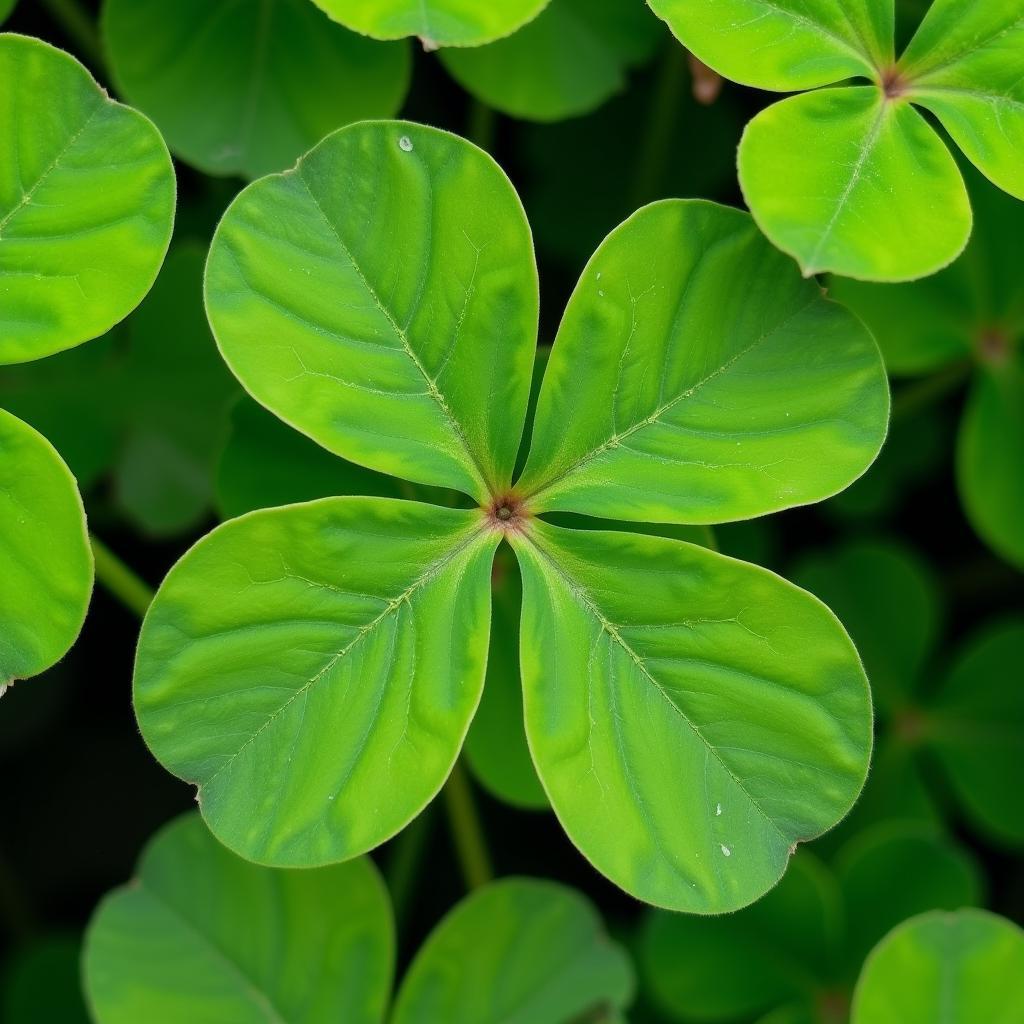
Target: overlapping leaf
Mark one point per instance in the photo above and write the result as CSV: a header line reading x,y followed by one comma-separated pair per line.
x,y
567,61
247,87
519,950
44,548
202,935
436,22
86,203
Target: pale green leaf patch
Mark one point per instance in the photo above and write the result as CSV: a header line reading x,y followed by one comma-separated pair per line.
x,y
944,968
246,88
646,661
435,22
335,655
314,669
44,549
526,950
87,196
855,181
203,935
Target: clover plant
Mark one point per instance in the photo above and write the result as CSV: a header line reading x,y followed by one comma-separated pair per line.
x,y
854,179
694,407
204,935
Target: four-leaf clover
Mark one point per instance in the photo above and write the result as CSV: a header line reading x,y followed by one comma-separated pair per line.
x,y
314,668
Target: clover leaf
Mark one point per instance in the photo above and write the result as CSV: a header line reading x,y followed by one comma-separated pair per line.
x,y
854,180
86,203
571,58
435,22
47,577
314,668
202,935
246,88
971,316
956,967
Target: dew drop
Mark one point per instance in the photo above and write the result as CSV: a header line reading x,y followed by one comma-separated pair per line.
x,y
405,144
726,852
599,275
718,810
601,293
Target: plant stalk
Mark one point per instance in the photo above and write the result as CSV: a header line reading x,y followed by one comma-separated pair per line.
x,y
133,592
921,394
467,834
80,27
404,862
483,125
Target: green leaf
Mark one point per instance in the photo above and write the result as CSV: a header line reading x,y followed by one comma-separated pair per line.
x,y
895,870
247,87
977,730
265,464
972,308
692,717
941,968
990,457
86,209
784,45
964,65
711,386
436,22
519,951
44,549
204,936
496,748
568,61
848,181
730,967
418,366
886,597
335,655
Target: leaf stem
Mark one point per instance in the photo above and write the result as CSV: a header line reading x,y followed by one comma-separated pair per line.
x,y
133,592
921,394
80,29
661,124
483,124
404,862
467,834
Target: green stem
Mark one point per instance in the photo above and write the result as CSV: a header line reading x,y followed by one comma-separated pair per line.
x,y
661,125
404,862
913,398
468,836
134,593
80,28
483,125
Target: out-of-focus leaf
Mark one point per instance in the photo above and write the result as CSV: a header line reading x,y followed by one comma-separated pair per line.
x,y
518,950
565,62
40,983
247,87
204,936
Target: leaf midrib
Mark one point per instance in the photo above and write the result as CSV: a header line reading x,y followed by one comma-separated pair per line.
x,y
459,545
482,478
582,595
249,986
613,442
